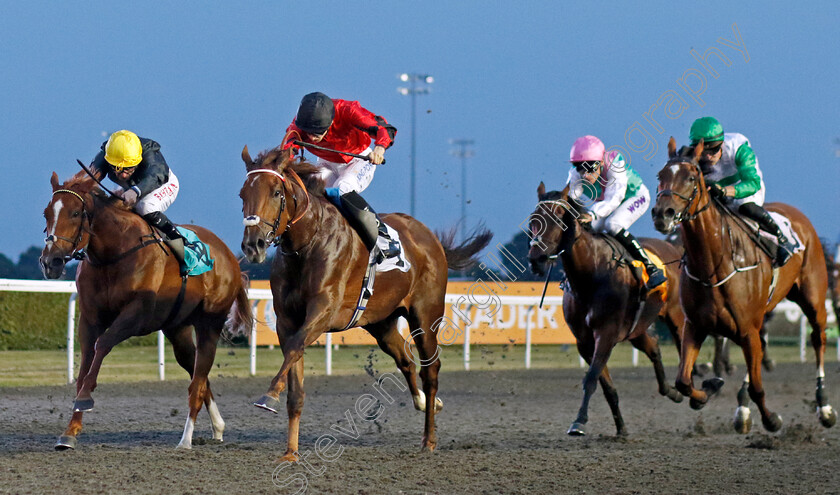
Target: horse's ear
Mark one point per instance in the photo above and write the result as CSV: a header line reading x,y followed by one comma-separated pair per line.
x,y
54,181
672,147
246,157
698,150
541,191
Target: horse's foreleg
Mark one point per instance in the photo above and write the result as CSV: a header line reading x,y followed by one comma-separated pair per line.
x,y
650,347
294,406
692,339
597,362
87,338
752,355
611,394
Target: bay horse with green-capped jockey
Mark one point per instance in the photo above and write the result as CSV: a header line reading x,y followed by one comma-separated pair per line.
x,y
728,283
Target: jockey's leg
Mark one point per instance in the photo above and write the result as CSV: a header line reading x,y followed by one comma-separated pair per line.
x,y
367,222
174,239
151,208
621,219
766,222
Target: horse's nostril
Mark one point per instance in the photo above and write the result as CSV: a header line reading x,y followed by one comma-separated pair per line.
x,y
669,212
260,244
56,262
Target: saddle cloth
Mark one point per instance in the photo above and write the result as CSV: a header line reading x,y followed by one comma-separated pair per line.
x,y
661,289
196,254
400,262
787,230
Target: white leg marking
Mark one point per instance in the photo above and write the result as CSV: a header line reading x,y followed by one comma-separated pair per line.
x,y
420,401
186,440
216,421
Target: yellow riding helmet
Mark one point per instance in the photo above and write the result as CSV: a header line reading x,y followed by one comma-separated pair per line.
x,y
123,150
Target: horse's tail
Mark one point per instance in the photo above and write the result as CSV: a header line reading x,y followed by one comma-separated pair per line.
x,y
240,319
460,257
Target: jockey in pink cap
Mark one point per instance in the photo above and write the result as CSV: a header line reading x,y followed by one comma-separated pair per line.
x,y
612,195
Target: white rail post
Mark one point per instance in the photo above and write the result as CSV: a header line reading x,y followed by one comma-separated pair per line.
x,y
253,342
635,357
467,348
802,333
528,337
329,354
161,357
71,323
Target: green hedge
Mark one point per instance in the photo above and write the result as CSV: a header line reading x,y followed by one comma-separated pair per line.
x,y
32,320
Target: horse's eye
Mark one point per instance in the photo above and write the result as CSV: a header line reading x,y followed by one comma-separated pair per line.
x,y
692,178
75,214
276,193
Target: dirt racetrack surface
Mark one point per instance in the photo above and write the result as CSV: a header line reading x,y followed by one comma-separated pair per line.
x,y
499,432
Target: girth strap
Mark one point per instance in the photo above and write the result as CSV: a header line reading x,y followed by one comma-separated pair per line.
x,y
365,295
179,301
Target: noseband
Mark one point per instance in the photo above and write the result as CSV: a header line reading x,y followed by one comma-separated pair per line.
x,y
76,252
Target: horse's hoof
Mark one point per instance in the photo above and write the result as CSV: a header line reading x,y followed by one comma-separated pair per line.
x,y
696,404
83,405
674,395
828,417
742,421
268,403
289,457
713,385
768,364
576,430
66,442
773,423
183,446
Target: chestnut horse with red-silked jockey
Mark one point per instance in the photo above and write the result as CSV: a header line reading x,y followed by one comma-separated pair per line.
x,y
726,285
130,285
317,276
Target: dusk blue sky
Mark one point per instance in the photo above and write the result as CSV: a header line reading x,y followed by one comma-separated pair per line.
x,y
522,79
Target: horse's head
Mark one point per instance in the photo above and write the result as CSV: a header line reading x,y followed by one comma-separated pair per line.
x,y
264,202
681,194
547,227
68,218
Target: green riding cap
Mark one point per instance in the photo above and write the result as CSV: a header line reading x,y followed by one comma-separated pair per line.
x,y
706,128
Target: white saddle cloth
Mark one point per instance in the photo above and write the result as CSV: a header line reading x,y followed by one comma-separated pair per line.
x,y
396,263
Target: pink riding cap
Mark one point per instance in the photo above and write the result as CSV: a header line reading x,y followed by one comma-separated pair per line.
x,y
586,149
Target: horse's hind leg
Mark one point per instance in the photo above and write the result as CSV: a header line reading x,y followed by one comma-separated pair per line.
x,y
650,347
813,307
692,338
421,321
207,336
389,339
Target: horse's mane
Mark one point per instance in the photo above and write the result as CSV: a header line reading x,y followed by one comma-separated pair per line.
x,y
281,160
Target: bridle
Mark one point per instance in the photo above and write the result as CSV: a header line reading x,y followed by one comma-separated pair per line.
x,y
76,252
685,215
537,239
252,220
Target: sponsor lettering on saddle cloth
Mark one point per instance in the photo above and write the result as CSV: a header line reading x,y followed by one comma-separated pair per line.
x,y
196,254
661,289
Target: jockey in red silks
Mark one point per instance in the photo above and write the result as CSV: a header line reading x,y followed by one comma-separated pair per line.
x,y
613,196
346,126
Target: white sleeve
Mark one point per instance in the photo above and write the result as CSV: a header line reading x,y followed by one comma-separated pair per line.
x,y
572,181
614,191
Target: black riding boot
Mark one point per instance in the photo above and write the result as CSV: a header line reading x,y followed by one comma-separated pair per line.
x,y
367,223
174,239
655,275
767,224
